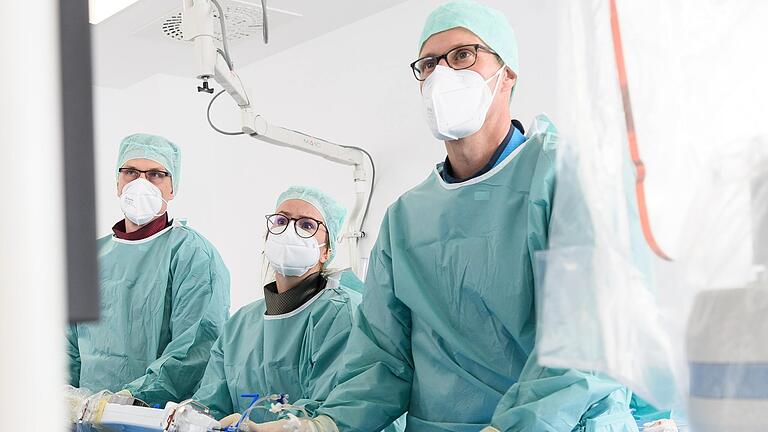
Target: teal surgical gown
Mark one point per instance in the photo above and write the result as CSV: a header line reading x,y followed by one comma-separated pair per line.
x,y
298,353
164,301
647,413
295,353
447,326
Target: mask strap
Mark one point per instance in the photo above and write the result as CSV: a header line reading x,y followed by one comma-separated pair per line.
x,y
161,207
498,79
166,207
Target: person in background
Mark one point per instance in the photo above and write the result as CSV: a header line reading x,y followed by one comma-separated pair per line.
x,y
290,341
164,288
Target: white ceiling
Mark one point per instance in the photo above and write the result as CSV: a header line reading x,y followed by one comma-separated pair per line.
x,y
130,46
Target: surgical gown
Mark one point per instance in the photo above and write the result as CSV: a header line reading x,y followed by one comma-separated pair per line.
x,y
298,353
164,301
447,326
647,413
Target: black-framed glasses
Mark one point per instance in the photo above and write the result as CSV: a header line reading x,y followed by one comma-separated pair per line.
x,y
461,57
306,227
154,176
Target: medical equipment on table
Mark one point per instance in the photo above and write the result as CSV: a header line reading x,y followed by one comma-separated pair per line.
x,y
661,426
213,63
115,412
278,404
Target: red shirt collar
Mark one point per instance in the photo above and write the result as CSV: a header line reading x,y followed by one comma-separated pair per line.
x,y
142,233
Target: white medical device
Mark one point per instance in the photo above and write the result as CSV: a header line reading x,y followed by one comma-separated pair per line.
x,y
187,416
198,25
726,341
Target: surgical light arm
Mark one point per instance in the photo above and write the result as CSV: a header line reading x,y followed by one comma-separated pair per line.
x,y
257,127
197,26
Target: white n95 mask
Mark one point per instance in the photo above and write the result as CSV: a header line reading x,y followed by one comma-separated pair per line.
x,y
457,101
290,254
141,201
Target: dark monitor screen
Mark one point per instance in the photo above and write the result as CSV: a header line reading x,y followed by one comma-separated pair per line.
x,y
77,132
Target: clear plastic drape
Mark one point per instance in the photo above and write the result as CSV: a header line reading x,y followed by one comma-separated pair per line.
x,y
691,333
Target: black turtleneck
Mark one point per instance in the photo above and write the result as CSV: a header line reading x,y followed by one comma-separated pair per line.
x,y
289,301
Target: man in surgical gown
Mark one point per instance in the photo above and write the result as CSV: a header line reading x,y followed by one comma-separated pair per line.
x,y
447,327
164,288
290,341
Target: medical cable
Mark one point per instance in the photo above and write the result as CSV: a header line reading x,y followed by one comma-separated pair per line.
x,y
224,55
210,122
640,171
224,40
265,29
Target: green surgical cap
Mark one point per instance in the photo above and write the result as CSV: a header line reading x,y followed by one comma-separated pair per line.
x,y
488,24
154,148
333,212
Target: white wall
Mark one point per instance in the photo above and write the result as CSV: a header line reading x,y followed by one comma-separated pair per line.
x,y
352,86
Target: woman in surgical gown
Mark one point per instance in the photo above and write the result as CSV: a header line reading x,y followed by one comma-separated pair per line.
x,y
292,340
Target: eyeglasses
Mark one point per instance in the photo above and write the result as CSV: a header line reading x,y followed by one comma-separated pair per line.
x,y
461,57
154,176
305,227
